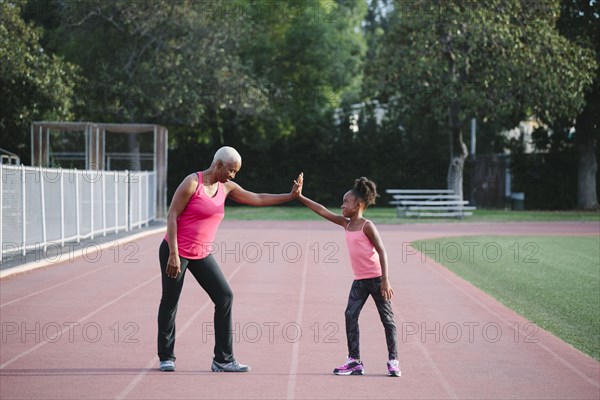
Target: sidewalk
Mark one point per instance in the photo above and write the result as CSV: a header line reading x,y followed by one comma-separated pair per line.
x,y
55,253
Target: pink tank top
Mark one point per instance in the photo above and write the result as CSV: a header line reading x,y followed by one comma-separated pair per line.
x,y
363,256
198,223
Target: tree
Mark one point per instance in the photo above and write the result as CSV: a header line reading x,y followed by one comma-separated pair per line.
x,y
498,61
35,85
375,27
156,61
261,74
307,55
244,70
580,22
152,60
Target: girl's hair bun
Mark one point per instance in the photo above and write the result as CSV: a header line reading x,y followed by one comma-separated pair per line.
x,y
366,190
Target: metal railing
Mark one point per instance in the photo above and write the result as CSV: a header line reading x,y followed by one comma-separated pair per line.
x,y
6,157
42,206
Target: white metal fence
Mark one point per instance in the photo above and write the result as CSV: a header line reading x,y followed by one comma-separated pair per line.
x,y
40,206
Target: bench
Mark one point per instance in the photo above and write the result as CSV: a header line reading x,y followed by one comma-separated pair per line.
x,y
429,203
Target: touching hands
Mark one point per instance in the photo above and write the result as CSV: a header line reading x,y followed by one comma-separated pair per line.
x,y
298,182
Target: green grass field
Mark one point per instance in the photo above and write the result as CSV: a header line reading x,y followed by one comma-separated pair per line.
x,y
387,215
552,281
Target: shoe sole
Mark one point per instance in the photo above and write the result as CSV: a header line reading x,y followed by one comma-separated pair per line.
x,y
227,370
344,373
167,369
393,374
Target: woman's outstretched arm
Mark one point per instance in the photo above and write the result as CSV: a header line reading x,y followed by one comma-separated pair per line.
x,y
243,196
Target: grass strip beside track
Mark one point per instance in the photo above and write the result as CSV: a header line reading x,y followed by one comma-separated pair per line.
x,y
552,281
387,215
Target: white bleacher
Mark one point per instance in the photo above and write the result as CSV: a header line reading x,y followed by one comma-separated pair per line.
x,y
429,203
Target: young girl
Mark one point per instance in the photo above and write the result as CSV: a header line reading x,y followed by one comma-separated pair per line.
x,y
369,262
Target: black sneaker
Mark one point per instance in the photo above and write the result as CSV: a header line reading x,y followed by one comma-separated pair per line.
x,y
233,366
350,367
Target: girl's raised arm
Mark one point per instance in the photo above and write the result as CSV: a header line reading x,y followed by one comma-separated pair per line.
x,y
323,211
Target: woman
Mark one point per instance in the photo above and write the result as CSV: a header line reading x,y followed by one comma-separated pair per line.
x,y
196,210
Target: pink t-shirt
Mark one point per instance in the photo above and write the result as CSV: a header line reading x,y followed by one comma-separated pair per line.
x,y
363,256
198,223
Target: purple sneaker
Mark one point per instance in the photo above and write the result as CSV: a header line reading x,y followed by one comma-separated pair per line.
x,y
350,367
393,368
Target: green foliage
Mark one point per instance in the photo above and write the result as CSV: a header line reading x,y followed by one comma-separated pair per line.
x,y
498,61
579,22
263,76
151,61
177,62
269,78
307,62
35,85
305,58
548,180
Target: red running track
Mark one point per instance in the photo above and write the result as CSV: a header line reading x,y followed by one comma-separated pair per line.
x,y
86,328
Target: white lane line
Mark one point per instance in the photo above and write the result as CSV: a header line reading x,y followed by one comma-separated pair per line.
x,y
148,367
48,340
436,370
574,369
433,365
45,263
55,286
294,362
112,264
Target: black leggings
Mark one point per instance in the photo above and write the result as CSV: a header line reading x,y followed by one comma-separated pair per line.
x,y
359,293
209,276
